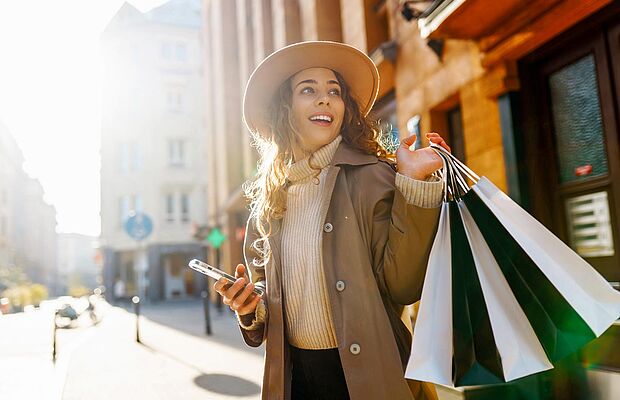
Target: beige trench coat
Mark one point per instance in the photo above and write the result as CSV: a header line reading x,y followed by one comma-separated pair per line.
x,y
376,246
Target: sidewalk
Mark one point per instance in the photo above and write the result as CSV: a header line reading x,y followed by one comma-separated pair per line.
x,y
26,368
175,359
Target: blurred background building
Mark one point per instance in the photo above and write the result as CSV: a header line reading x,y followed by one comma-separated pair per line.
x,y
78,271
524,92
27,223
153,146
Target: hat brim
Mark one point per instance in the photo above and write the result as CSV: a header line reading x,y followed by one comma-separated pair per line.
x,y
357,69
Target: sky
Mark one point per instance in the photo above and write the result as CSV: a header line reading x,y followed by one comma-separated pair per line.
x,y
50,97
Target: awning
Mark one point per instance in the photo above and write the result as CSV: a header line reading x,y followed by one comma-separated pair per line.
x,y
506,29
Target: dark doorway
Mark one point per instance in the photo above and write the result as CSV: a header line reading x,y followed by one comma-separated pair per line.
x,y
571,138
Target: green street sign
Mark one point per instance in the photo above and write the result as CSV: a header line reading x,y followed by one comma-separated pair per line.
x,y
216,238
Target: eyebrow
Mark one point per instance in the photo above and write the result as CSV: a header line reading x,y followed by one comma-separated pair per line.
x,y
331,81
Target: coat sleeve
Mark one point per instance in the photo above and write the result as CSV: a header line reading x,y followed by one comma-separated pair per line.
x,y
402,235
253,331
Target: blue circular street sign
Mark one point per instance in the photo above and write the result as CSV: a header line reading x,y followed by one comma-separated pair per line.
x,y
139,226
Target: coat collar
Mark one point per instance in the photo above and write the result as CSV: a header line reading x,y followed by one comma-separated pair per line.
x,y
347,155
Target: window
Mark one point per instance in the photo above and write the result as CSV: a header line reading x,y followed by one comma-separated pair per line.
x,y
135,54
129,204
184,207
136,157
166,51
123,209
130,157
181,52
176,153
137,203
124,154
169,208
456,136
175,99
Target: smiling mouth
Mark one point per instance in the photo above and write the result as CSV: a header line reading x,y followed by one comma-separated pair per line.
x,y
321,119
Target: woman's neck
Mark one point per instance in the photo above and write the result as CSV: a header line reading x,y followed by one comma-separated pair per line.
x,y
300,153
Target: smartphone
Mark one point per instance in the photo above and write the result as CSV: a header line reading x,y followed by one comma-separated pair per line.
x,y
215,273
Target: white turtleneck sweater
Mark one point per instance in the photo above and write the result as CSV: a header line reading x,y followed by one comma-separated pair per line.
x,y
308,315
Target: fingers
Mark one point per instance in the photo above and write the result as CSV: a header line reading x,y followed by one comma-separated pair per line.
x,y
233,291
437,139
221,286
240,271
242,296
238,296
408,141
250,305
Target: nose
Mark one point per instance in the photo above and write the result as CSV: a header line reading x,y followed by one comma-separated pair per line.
x,y
323,99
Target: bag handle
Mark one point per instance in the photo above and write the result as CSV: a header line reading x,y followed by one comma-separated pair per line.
x,y
459,164
453,174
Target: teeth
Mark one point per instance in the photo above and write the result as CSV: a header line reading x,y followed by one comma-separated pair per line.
x,y
321,118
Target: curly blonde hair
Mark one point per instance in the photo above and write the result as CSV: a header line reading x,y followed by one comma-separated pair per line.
x,y
267,192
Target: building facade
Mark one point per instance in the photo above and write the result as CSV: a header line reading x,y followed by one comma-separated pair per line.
x,y
153,148
27,223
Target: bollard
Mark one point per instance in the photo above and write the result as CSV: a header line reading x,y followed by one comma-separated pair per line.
x,y
206,306
220,305
54,340
136,308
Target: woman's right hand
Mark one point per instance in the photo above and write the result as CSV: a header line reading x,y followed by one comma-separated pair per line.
x,y
241,300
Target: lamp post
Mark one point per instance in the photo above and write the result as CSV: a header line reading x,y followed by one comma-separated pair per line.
x,y
136,307
205,302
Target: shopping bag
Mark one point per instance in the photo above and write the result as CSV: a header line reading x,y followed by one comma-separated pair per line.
x,y
520,298
517,344
476,359
560,329
434,354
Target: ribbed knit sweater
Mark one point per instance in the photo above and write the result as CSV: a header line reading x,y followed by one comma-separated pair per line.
x,y
307,309
308,314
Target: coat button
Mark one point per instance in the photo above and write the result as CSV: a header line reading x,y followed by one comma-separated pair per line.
x,y
340,286
355,349
328,227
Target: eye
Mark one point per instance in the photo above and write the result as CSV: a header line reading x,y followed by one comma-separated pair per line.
x,y
307,90
335,92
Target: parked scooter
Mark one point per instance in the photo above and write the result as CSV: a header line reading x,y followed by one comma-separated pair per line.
x,y
66,316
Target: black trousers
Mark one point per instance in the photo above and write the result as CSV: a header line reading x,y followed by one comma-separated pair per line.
x,y
317,375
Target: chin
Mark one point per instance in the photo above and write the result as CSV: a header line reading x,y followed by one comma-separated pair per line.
x,y
322,138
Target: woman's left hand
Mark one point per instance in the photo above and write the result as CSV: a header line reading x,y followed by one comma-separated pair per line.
x,y
419,164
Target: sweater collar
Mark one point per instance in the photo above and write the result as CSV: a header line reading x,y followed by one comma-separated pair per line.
x,y
315,162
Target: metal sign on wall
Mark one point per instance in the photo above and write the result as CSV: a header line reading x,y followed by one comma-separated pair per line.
x,y
139,226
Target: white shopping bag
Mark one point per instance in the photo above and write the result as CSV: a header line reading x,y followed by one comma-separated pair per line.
x,y
431,352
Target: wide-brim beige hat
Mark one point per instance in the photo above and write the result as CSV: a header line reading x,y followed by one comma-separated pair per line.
x,y
357,69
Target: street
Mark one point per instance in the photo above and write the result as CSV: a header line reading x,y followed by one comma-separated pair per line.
x,y
174,360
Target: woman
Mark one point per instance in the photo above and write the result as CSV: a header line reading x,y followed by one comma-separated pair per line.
x,y
337,238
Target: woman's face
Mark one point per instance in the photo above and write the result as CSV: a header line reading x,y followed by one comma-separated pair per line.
x,y
318,108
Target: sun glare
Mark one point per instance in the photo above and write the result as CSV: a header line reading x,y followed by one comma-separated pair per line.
x,y
50,98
